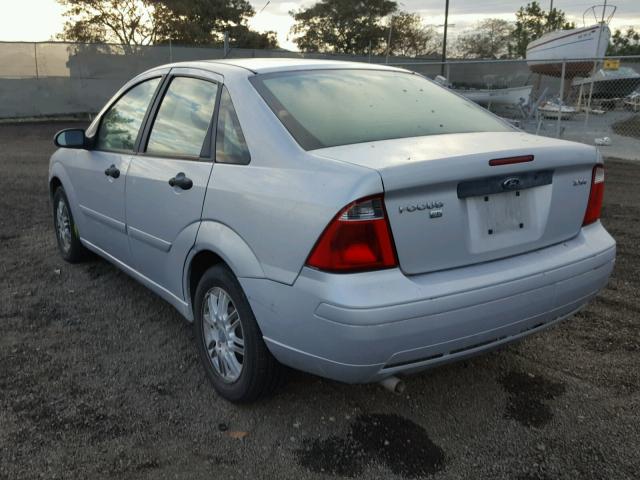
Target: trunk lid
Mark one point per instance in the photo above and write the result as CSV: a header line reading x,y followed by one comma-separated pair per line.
x,y
449,208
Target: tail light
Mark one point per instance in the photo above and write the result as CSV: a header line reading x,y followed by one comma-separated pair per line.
x,y
357,239
595,196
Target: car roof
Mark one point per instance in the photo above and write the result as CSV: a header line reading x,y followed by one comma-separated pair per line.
x,y
269,65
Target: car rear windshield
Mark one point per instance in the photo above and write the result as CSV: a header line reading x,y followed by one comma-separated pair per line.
x,y
326,108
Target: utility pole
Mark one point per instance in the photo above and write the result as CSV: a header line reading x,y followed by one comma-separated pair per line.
x,y
444,38
389,39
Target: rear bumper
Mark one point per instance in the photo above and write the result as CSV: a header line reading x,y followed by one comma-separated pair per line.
x,y
364,327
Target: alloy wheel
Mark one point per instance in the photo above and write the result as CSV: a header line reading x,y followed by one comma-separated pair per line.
x,y
223,335
63,226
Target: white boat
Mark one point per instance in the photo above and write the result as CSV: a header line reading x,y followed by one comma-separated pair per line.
x,y
578,46
632,101
497,96
553,109
609,83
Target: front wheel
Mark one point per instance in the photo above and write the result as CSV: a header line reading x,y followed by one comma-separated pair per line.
x,y
67,236
229,341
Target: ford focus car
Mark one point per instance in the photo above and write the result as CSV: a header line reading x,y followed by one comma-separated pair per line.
x,y
350,220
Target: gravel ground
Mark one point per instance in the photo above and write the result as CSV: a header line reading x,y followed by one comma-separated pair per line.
x,y
100,378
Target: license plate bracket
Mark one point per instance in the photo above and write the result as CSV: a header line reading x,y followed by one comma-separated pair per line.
x,y
500,213
504,183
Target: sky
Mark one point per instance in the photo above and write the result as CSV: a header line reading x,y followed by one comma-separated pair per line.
x,y
41,20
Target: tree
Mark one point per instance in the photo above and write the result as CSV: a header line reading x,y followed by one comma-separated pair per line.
x,y
342,26
627,43
129,22
243,37
532,22
146,22
410,37
490,39
202,22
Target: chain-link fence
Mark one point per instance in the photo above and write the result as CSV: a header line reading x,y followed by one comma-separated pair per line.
x,y
592,101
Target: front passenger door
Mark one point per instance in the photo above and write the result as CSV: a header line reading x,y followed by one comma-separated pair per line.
x,y
98,175
167,181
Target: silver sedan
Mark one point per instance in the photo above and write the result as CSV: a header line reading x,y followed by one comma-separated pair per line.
x,y
351,220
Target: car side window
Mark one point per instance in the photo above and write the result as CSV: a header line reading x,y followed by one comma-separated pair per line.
x,y
231,146
183,118
120,125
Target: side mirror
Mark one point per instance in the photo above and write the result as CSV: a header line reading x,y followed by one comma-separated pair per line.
x,y
71,138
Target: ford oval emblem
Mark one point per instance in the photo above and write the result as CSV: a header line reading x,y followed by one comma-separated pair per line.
x,y
512,183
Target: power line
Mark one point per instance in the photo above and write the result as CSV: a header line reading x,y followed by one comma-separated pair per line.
x,y
485,7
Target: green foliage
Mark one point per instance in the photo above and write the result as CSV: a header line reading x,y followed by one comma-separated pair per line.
x,y
128,22
145,22
410,37
243,37
200,22
627,43
342,26
532,22
490,39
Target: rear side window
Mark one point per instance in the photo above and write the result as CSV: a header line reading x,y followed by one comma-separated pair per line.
x,y
183,118
326,108
120,125
231,146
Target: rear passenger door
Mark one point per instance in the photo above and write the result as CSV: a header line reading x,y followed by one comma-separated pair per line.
x,y
167,180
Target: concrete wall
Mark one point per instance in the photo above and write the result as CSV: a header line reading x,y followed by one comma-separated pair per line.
x,y
44,79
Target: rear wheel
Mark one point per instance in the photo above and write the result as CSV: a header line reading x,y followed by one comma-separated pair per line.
x,y
67,236
229,341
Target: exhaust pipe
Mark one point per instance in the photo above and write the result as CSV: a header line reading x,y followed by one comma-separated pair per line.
x,y
394,385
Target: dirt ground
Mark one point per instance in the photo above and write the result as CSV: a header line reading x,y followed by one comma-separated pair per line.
x,y
99,377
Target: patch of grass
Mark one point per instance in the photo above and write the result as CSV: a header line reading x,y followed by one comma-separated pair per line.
x,y
629,127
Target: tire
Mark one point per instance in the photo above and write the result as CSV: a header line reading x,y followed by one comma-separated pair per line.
x,y
218,341
67,237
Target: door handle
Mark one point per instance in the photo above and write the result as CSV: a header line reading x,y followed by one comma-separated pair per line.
x,y
112,171
181,181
